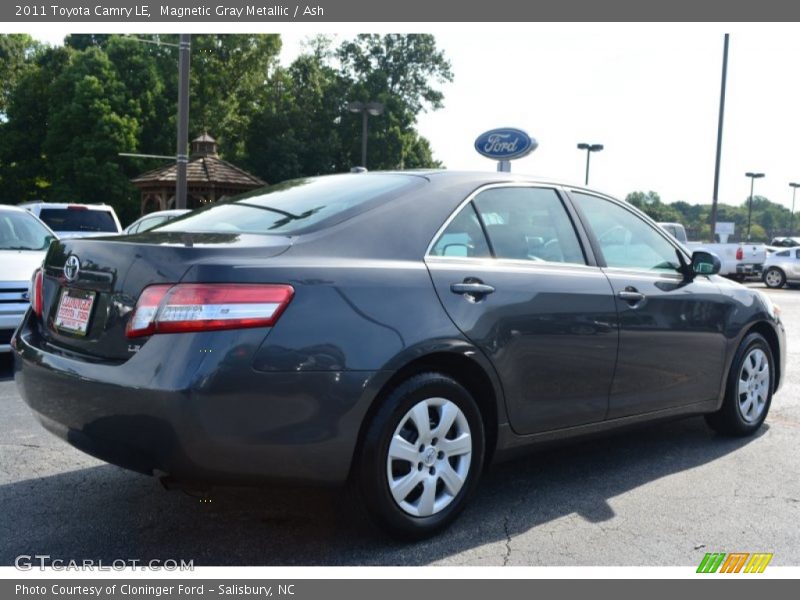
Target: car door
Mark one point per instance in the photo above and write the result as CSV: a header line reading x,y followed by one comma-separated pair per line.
x,y
518,280
672,343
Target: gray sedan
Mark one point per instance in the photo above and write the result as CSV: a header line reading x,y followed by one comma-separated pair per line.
x,y
398,331
782,268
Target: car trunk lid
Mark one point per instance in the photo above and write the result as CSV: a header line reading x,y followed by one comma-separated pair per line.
x,y
91,286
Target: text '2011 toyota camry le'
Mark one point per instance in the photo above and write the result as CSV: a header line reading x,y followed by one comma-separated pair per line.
x,y
397,330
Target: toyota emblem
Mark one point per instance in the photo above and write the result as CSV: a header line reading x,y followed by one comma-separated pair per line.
x,y
71,268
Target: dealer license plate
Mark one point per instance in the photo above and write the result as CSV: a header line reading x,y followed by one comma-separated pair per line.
x,y
74,311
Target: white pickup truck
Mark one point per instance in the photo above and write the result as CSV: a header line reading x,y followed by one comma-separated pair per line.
x,y
738,259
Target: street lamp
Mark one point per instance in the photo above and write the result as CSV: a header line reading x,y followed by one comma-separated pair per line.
x,y
366,109
794,187
753,177
589,149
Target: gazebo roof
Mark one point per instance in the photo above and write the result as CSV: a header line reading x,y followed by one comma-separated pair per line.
x,y
205,168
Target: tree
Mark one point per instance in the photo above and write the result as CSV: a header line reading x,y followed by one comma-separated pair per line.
x,y
16,51
228,77
401,72
24,168
89,126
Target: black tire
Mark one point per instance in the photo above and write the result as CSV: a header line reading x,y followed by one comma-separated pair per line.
x,y
774,278
729,420
373,467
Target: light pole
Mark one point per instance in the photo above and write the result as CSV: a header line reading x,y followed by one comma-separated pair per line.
x,y
366,109
753,177
184,51
794,187
589,149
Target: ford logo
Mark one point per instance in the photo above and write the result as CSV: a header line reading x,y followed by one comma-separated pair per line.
x,y
71,268
505,143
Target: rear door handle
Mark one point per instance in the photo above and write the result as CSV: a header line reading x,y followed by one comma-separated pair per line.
x,y
631,295
471,288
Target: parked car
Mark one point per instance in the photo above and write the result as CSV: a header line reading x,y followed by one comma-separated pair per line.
x,y
76,220
23,242
154,219
404,329
779,243
739,260
782,268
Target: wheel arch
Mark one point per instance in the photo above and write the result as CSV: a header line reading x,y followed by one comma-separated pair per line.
x,y
474,376
768,333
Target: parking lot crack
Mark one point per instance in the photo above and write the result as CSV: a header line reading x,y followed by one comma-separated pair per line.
x,y
507,555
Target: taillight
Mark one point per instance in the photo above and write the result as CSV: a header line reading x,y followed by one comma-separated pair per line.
x,y
37,304
206,307
739,253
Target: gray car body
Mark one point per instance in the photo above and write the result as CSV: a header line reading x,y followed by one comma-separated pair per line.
x,y
788,261
291,402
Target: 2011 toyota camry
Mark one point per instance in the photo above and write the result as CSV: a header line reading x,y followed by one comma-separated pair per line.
x,y
398,330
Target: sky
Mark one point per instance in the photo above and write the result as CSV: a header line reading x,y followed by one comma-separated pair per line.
x,y
648,92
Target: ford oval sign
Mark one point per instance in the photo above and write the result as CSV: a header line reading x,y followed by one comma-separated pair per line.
x,y
505,143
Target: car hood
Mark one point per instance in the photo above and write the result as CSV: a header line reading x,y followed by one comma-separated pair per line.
x,y
19,265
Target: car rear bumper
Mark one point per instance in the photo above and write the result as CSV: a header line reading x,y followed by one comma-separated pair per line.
x,y
749,269
215,420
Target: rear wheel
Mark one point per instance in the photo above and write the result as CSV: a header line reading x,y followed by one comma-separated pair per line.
x,y
422,456
774,278
749,389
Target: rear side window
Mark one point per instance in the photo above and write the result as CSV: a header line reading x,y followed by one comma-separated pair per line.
x,y
297,205
78,219
529,224
784,253
463,237
522,223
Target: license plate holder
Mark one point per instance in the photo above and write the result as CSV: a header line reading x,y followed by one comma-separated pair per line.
x,y
74,311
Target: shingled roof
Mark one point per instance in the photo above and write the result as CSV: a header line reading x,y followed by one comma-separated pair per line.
x,y
204,167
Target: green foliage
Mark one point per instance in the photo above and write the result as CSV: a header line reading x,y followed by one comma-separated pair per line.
x,y
66,113
16,52
768,219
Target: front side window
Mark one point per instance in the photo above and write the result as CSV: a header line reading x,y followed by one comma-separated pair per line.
x,y
626,240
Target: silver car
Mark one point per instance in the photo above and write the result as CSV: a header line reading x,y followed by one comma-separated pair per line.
x,y
24,240
782,267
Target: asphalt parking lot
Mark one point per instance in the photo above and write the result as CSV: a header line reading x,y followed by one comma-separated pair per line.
x,y
662,495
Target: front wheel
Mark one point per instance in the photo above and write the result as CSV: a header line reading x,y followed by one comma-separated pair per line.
x,y
774,278
748,393
422,456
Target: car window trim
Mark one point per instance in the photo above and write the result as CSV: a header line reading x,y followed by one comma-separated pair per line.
x,y
595,243
583,241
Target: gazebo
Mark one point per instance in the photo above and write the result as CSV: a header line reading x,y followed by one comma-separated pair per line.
x,y
209,178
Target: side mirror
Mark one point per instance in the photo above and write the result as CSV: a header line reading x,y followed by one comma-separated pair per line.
x,y
705,263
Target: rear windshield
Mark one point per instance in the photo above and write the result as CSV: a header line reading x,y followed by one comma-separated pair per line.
x,y
78,219
21,231
293,206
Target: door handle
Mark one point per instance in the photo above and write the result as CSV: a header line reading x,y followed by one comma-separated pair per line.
x,y
631,295
471,289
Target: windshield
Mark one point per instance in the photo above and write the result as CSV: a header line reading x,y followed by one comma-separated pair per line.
x,y
78,218
21,231
300,204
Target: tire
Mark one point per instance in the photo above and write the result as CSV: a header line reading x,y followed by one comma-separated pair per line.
x,y
774,278
748,392
432,475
